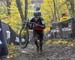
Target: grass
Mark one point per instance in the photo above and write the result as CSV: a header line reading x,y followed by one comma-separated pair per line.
x,y
12,51
61,42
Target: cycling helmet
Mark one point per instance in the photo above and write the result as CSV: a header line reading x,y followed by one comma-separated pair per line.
x,y
36,14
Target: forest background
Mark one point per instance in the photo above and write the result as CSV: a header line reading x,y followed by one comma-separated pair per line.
x,y
51,11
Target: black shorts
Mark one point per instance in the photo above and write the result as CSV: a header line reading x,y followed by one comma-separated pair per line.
x,y
38,35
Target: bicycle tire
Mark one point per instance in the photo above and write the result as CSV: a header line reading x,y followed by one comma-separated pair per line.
x,y
25,36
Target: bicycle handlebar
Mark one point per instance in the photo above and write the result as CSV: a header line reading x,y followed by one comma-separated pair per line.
x,y
33,23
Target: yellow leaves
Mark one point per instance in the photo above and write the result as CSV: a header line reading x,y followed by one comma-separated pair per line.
x,y
47,10
48,42
15,19
12,51
56,42
61,1
47,29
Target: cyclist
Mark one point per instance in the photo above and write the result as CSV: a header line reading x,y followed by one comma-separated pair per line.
x,y
37,24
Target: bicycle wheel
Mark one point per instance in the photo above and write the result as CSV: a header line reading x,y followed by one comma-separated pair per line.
x,y
24,37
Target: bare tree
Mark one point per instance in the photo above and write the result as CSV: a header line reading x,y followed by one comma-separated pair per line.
x,y
26,9
8,6
70,4
72,7
18,2
55,17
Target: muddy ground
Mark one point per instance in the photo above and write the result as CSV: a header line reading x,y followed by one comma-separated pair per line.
x,y
50,52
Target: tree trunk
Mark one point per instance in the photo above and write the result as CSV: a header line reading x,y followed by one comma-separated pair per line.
x,y
54,16
71,7
8,6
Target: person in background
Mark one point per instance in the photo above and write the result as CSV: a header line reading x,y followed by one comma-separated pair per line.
x,y
64,17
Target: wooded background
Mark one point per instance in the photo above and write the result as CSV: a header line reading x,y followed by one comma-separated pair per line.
x,y
51,11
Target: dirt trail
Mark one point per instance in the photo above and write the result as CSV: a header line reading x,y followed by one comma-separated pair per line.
x,y
51,52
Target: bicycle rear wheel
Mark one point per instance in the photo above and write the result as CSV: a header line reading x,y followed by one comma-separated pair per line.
x,y
24,38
